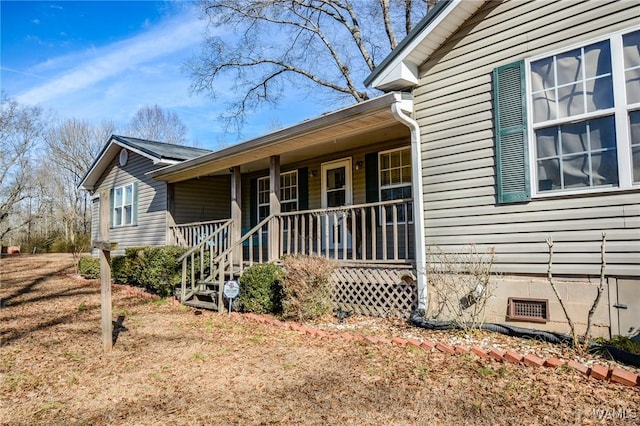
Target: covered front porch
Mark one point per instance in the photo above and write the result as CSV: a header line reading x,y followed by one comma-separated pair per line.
x,y
341,187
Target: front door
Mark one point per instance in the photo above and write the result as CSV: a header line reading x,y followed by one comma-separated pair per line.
x,y
336,192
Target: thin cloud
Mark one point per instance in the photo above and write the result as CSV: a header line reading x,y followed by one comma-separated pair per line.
x,y
108,62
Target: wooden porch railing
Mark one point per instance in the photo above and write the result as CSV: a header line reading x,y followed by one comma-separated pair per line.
x,y
367,233
198,263
192,234
363,233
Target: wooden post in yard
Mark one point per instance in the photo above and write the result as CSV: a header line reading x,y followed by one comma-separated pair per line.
x,y
104,246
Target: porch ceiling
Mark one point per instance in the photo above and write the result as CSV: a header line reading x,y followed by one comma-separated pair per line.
x,y
363,124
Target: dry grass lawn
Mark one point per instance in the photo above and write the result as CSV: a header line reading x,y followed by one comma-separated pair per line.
x,y
170,366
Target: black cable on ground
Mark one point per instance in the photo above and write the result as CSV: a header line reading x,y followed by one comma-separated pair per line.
x,y
418,319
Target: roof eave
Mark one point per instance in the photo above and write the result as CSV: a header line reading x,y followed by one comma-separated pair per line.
x,y
98,166
400,69
296,131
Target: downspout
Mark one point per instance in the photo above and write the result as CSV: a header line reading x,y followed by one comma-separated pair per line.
x,y
398,109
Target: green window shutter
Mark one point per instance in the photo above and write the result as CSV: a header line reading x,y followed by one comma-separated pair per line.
x,y
371,177
253,202
111,206
512,153
134,219
303,188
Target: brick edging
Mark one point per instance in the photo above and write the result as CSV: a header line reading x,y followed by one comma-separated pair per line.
x,y
597,371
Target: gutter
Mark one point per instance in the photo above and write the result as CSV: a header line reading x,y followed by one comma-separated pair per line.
x,y
398,109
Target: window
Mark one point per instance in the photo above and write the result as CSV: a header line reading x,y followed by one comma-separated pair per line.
x,y
631,54
580,116
123,205
263,198
395,179
575,140
288,194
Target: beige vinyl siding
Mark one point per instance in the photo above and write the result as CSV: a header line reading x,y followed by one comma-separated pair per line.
x,y
453,104
95,218
203,199
152,202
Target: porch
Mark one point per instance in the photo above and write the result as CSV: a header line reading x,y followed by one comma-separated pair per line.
x,y
345,186
372,245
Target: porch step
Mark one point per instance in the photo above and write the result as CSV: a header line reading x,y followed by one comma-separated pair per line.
x,y
200,304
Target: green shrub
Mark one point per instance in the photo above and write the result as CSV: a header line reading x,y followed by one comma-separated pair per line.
x,y
307,287
261,289
154,268
120,270
89,267
161,272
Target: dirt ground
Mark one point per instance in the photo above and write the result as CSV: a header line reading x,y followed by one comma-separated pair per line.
x,y
171,366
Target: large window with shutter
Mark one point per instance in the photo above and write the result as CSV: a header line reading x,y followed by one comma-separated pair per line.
x,y
569,122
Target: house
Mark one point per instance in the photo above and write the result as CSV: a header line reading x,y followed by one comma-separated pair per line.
x,y
529,118
339,186
503,123
140,204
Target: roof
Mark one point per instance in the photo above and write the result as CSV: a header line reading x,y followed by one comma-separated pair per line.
x,y
160,153
399,70
358,125
161,150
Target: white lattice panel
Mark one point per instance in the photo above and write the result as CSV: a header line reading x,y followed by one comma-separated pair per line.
x,y
373,291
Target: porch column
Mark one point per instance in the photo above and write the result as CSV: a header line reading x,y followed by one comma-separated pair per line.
x,y
236,212
274,207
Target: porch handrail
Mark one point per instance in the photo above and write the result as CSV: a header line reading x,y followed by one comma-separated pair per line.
x,y
217,241
349,207
225,225
222,263
190,234
245,237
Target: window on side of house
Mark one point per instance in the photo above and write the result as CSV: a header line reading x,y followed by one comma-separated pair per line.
x,y
395,180
584,116
123,205
288,194
631,54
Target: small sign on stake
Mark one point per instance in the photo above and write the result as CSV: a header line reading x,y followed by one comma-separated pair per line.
x,y
231,290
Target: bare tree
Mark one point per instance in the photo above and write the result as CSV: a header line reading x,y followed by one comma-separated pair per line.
x,y
73,144
153,123
328,45
21,129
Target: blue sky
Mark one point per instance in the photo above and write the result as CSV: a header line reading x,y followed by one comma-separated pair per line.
x,y
94,60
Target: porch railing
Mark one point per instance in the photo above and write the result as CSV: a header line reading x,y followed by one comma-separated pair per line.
x,y
199,263
372,232
192,234
367,233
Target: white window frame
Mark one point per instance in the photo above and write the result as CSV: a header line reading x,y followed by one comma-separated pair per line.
x,y
291,200
620,112
382,187
122,206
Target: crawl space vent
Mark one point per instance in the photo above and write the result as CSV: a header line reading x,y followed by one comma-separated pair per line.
x,y
533,310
